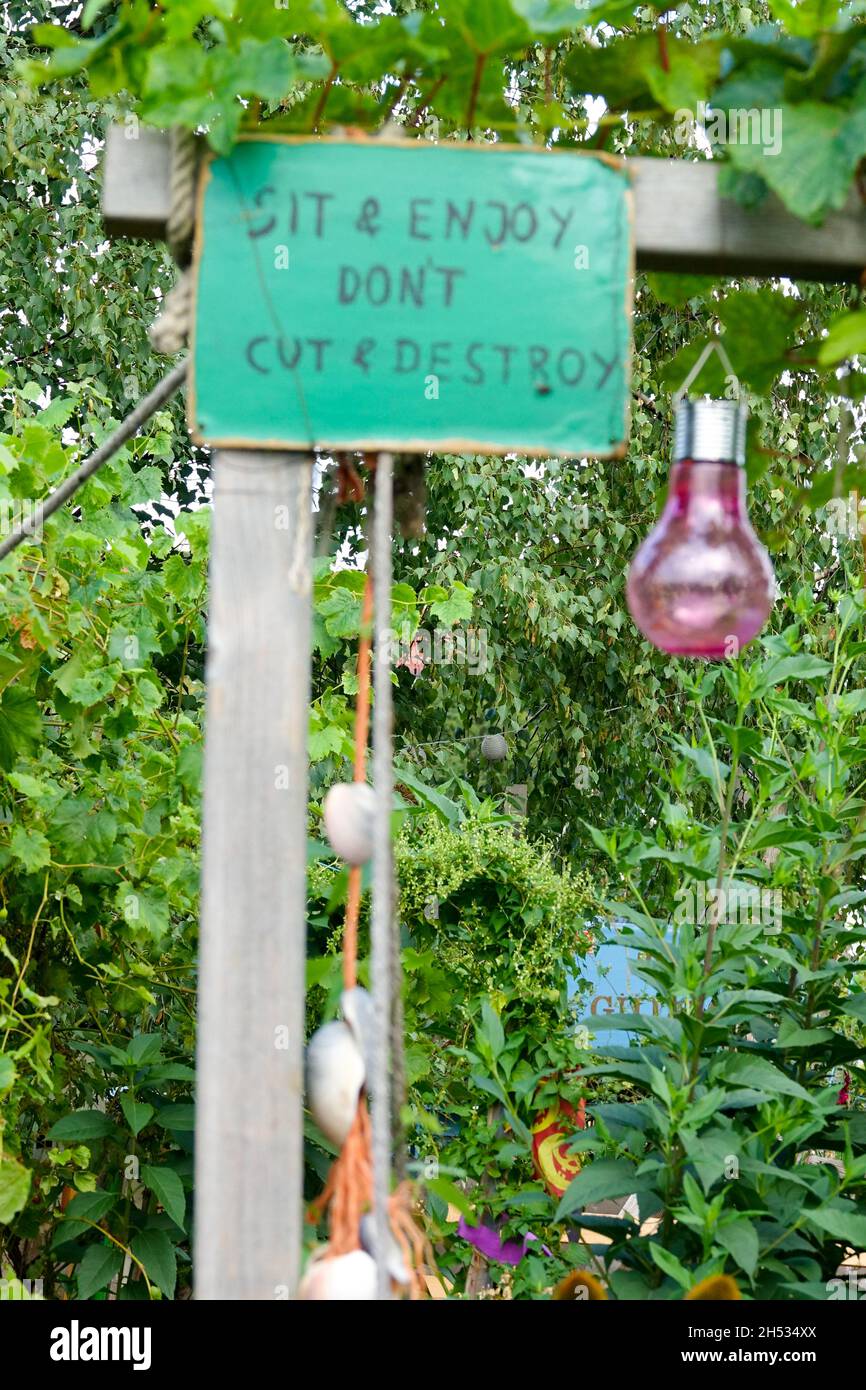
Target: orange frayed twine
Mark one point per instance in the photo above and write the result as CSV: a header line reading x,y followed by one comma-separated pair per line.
x,y
348,1192
412,1241
350,485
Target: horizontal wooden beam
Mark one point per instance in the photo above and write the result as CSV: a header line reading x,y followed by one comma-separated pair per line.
x,y
682,223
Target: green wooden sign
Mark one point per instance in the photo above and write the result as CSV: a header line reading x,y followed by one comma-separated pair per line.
x,y
412,296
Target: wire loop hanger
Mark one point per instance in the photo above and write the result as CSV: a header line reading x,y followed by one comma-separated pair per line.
x,y
714,345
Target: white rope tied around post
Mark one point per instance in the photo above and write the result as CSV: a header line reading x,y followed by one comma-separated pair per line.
x,y
170,331
146,407
180,225
383,869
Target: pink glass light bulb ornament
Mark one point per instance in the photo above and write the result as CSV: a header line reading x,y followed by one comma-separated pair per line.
x,y
701,584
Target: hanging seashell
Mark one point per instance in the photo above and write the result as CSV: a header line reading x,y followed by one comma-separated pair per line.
x,y
494,748
394,1261
335,1075
357,1007
349,812
342,1277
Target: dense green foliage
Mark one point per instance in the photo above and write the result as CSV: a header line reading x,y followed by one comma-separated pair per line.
x,y
100,755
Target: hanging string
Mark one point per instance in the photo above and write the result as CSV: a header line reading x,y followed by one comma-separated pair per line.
x,y
362,727
348,1193
383,867
356,1183
398,1055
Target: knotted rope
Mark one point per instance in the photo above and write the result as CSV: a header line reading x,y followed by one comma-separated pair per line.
x,y
170,331
180,226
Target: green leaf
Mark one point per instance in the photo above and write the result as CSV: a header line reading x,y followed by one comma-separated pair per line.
x,y
457,608
342,613
601,1181
83,1125
85,1207
802,667
549,16
606,843
20,724
92,10
488,26
167,1187
842,1223
819,151
740,1239
322,742
7,1074
806,18
15,1182
30,847
9,668
757,1073
450,1193
180,1117
144,1048
854,1005
98,1268
137,1113
189,767
677,290
708,767
491,1029
171,1071
53,36
792,1036
91,1206
447,809
148,910
58,412
264,69
846,338
681,86
433,593
669,1264
156,1253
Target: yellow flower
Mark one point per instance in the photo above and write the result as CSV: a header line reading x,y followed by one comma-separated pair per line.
x,y
580,1287
720,1288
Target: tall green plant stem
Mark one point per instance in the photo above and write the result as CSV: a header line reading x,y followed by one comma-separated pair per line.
x,y
720,876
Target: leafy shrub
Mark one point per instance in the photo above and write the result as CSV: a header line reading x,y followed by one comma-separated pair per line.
x,y
745,1079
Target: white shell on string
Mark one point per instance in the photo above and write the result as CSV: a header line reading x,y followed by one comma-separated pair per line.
x,y
335,1075
342,1277
349,811
357,1007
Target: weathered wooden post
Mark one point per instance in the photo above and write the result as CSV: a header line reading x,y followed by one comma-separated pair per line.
x,y
249,1123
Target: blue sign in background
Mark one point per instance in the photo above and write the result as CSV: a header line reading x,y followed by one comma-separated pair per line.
x,y
615,988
